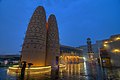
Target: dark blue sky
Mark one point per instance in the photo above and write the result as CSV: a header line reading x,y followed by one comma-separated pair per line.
x,y
77,20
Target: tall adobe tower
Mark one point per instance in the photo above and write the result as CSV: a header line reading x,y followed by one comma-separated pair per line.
x,y
53,47
34,45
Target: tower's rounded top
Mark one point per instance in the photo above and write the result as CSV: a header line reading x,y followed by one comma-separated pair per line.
x,y
39,11
52,23
88,39
40,8
52,16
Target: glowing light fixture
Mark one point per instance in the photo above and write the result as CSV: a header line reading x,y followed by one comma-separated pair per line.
x,y
118,38
105,45
106,42
35,68
116,50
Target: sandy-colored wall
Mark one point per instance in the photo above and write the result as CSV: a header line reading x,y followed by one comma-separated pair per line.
x,y
53,47
34,46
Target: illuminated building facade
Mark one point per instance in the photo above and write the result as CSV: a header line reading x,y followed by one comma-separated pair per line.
x,y
112,45
107,55
105,58
41,43
70,55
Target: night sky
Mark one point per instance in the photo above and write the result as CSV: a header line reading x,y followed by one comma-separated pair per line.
x,y
77,20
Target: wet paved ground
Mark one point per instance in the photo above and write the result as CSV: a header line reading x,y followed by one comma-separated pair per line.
x,y
72,72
